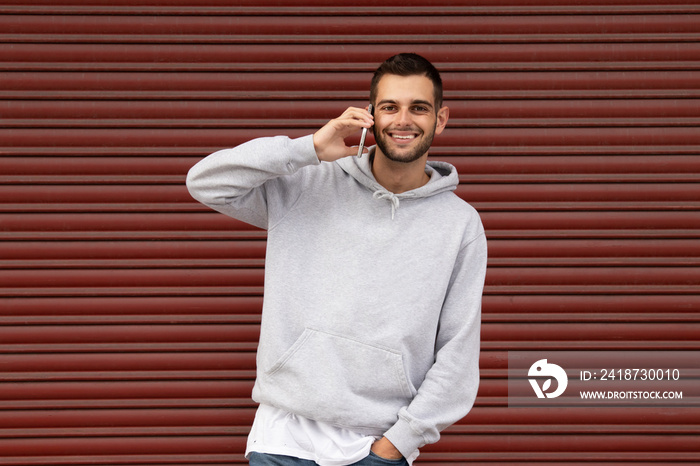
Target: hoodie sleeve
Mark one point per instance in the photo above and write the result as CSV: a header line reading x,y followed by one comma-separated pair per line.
x,y
233,181
449,389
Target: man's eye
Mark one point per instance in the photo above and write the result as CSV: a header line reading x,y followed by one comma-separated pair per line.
x,y
388,108
420,109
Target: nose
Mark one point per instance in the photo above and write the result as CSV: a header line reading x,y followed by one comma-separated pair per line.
x,y
403,118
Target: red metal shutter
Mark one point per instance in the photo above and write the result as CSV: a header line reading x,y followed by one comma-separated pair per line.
x,y
129,313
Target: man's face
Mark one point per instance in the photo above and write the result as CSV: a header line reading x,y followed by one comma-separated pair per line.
x,y
405,117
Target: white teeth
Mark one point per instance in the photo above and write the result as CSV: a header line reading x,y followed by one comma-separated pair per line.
x,y
404,137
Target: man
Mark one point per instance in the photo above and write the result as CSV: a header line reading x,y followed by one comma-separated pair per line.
x,y
369,340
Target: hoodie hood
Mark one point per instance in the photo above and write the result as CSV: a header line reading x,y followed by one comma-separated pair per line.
x,y
443,177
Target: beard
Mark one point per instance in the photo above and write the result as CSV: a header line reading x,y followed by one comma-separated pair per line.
x,y
382,141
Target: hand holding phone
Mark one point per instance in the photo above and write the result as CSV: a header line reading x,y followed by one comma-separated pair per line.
x,y
364,135
330,141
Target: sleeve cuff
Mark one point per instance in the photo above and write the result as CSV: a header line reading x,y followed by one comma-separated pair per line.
x,y
404,438
305,152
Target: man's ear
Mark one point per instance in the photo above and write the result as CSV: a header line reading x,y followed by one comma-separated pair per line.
x,y
442,116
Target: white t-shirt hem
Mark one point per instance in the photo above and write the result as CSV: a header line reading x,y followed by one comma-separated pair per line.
x,y
277,432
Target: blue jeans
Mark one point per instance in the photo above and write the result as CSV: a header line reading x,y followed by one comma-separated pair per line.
x,y
264,459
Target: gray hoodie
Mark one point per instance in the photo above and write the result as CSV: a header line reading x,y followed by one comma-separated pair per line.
x,y
372,304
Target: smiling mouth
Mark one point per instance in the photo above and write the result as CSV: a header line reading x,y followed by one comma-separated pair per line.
x,y
403,137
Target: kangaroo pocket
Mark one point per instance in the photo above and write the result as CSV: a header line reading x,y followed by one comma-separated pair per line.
x,y
338,380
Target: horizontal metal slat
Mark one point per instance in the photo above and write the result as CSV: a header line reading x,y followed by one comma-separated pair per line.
x,y
595,332
603,261
572,305
333,28
572,429
148,223
135,347
592,345
124,306
119,195
568,458
572,221
441,460
575,108
13,393
137,278
131,291
77,334
591,289
153,263
145,417
595,167
198,394
457,84
577,192
581,444
159,460
346,8
562,416
317,57
582,206
95,168
608,248
123,432
365,38
189,445
105,362
123,250
147,319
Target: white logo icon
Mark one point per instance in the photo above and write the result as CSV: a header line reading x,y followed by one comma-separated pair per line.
x,y
543,369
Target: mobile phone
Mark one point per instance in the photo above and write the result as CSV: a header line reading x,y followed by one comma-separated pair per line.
x,y
364,135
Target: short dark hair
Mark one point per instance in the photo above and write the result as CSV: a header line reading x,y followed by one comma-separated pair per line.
x,y
408,64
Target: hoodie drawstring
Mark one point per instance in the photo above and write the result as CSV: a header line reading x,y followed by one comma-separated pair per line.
x,y
391,197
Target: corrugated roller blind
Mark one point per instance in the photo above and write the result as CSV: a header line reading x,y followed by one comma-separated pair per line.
x,y
129,313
